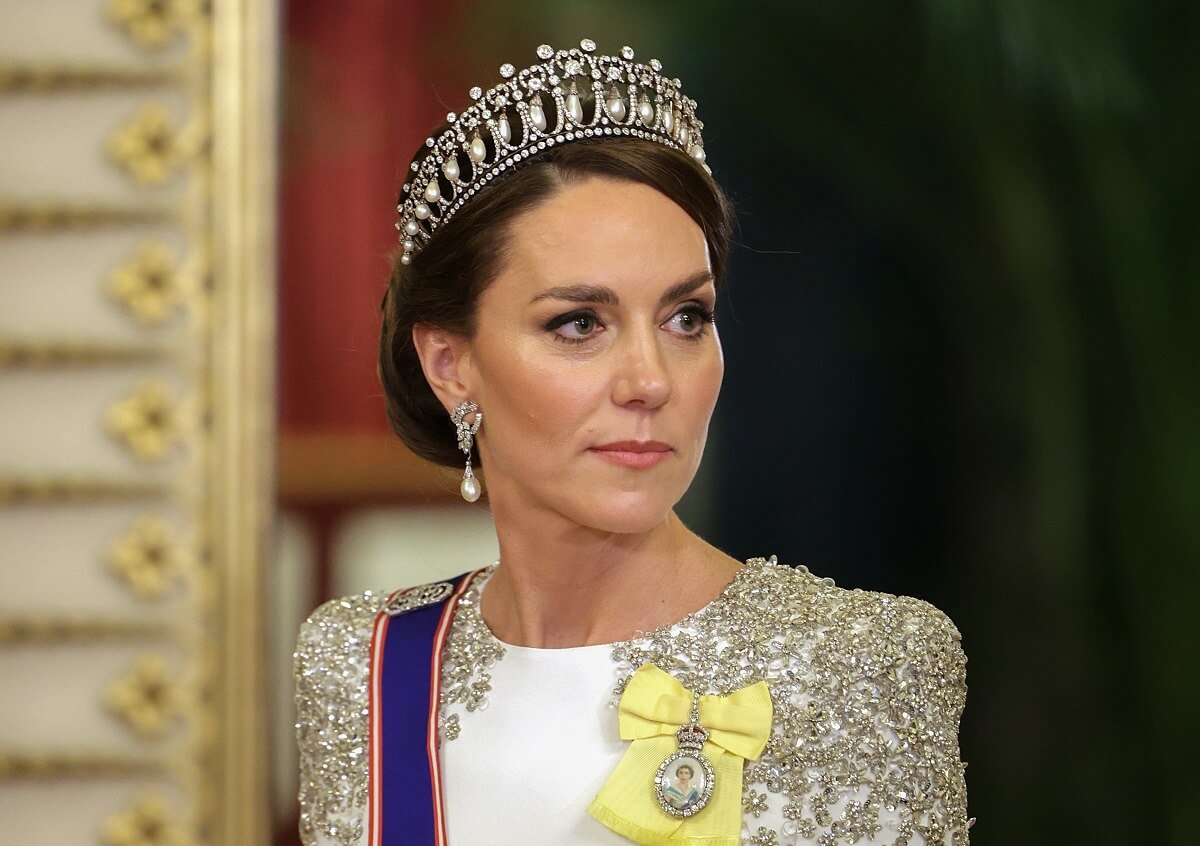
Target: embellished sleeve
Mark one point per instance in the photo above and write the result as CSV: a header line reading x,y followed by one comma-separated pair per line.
x,y
331,665
928,698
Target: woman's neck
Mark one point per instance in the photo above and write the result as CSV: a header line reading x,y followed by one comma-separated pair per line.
x,y
578,587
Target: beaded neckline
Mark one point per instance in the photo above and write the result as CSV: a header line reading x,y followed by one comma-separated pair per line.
x,y
472,610
473,650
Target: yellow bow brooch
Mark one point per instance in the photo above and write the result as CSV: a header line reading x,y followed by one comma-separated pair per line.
x,y
664,790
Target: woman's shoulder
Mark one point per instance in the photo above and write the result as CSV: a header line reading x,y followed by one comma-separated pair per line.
x,y
340,623
340,629
338,632
332,658
798,590
796,585
850,621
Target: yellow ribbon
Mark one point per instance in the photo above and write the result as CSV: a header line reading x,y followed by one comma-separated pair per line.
x,y
652,709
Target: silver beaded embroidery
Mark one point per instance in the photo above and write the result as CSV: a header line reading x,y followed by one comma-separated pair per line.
x,y
868,690
332,666
471,652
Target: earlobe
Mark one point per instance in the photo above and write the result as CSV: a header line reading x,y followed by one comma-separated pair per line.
x,y
442,355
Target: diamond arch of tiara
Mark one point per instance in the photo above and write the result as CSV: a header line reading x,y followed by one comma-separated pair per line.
x,y
630,99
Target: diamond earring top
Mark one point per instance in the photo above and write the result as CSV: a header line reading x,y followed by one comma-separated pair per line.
x,y
470,487
531,111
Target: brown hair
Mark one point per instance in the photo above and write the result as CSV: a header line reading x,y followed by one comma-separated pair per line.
x,y
442,284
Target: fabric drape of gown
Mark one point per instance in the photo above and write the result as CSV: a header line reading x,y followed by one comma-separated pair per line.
x,y
867,690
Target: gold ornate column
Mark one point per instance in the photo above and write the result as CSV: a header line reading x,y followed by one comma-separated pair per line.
x,y
136,418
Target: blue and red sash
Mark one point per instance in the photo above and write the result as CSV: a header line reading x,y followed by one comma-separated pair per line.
x,y
404,805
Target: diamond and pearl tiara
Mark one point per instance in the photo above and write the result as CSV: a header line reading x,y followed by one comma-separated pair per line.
x,y
630,99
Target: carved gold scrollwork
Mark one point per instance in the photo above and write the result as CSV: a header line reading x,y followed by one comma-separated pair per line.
x,y
153,24
147,823
18,354
24,79
148,558
148,423
26,765
65,490
50,216
56,631
149,286
148,700
148,146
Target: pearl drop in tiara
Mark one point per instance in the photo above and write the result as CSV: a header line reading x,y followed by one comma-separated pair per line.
x,y
533,110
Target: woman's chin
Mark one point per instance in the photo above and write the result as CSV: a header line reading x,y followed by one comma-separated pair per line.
x,y
626,513
603,508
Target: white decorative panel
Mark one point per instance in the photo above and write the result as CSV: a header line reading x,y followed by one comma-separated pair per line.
x,y
69,811
69,420
41,160
136,409
62,284
36,30
113,559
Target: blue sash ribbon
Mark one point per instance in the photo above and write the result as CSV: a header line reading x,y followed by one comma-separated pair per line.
x,y
405,804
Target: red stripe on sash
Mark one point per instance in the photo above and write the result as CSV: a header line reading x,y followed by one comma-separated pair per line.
x,y
378,635
435,683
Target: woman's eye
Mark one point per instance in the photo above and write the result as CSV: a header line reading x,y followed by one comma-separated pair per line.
x,y
578,326
584,325
690,320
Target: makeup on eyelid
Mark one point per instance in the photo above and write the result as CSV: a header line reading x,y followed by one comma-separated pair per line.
x,y
702,316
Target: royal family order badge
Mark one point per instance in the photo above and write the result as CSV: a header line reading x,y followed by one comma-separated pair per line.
x,y
684,781
418,597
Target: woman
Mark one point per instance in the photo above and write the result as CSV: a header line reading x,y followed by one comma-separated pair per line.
x,y
681,792
563,242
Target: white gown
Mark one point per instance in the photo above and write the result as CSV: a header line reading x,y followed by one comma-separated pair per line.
x,y
558,738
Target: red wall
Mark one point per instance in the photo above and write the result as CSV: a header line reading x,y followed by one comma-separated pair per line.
x,y
357,101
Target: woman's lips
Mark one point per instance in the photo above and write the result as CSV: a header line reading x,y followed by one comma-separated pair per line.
x,y
636,454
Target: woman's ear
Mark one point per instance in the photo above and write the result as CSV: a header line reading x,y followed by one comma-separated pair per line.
x,y
445,359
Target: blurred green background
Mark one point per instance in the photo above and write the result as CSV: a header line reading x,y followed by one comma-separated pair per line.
x,y
961,330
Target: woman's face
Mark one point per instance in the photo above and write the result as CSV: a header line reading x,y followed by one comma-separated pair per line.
x,y
595,359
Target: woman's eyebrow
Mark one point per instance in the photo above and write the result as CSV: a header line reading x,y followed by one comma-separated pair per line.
x,y
682,289
607,296
579,294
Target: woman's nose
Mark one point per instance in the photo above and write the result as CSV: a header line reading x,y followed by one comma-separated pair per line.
x,y
642,375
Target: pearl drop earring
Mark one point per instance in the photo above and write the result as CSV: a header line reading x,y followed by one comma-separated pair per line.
x,y
470,487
